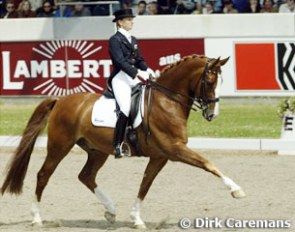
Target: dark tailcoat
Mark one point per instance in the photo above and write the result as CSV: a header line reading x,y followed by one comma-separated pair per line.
x,y
125,56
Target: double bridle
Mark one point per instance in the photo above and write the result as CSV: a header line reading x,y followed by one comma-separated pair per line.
x,y
198,103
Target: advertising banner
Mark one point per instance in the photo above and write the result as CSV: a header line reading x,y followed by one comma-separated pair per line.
x,y
63,67
265,66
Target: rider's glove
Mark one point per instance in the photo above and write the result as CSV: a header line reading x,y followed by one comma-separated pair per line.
x,y
151,72
143,76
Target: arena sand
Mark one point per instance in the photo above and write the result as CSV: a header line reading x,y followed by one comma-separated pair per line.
x,y
180,191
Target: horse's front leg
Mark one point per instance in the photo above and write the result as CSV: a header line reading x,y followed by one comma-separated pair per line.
x,y
180,152
153,168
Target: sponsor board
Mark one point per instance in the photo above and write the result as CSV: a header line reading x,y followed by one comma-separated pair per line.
x,y
264,66
63,67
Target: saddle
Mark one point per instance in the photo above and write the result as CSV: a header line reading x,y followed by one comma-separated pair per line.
x,y
136,95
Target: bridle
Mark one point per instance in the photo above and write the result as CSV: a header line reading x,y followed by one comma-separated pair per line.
x,y
198,102
202,102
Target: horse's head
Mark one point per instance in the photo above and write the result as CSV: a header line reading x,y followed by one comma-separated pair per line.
x,y
206,93
193,81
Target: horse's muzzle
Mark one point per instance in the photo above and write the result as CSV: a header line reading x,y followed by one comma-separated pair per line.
x,y
209,114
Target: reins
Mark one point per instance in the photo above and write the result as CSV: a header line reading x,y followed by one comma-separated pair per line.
x,y
198,103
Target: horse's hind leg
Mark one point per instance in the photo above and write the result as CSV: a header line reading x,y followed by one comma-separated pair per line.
x,y
186,155
87,176
56,151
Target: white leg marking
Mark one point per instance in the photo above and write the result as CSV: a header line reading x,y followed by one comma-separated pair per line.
x,y
105,200
230,184
236,190
110,213
135,214
35,212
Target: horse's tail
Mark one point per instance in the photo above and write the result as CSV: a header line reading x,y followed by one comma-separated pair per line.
x,y
18,166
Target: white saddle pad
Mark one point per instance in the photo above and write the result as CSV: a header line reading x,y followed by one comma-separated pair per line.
x,y
104,112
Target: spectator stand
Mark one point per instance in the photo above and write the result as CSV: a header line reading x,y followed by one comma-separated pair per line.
x,y
98,8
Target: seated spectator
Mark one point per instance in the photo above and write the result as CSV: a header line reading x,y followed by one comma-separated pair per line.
x,y
242,6
46,10
101,10
253,6
268,7
141,8
80,11
164,6
10,10
184,7
153,8
24,10
198,8
229,7
288,7
36,4
209,8
63,11
126,4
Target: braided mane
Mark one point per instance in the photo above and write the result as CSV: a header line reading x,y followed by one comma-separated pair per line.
x,y
185,58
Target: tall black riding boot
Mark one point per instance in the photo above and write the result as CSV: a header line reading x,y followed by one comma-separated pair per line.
x,y
119,134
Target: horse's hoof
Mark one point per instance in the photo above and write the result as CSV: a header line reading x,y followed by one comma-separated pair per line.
x,y
238,193
140,227
111,218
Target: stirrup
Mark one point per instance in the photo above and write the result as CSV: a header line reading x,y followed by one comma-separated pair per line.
x,y
125,149
118,152
122,151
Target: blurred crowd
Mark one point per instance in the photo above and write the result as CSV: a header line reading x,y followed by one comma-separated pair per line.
x,y
56,8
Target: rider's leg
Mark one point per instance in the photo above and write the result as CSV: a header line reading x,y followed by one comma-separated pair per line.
x,y
122,91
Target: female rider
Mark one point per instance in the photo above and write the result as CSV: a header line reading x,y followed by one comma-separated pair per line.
x,y
129,69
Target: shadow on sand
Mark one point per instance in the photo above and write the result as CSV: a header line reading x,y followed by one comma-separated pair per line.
x,y
89,224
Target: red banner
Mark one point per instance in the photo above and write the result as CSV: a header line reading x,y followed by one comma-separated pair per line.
x,y
59,68
265,66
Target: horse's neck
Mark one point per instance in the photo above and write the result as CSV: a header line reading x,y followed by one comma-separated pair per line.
x,y
177,94
175,81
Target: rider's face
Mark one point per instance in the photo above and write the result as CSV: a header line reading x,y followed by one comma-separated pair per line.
x,y
126,23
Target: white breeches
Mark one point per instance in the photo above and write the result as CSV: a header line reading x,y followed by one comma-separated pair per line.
x,y
122,84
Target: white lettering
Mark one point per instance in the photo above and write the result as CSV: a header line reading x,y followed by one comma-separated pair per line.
x,y
39,68
90,68
169,59
21,69
58,68
106,67
74,68
7,84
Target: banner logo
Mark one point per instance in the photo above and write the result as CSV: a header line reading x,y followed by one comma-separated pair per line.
x,y
57,68
286,65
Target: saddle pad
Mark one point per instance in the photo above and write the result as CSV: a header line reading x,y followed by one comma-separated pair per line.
x,y
104,112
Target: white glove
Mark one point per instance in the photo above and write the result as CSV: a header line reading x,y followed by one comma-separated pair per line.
x,y
151,72
143,75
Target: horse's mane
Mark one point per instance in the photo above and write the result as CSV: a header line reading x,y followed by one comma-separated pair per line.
x,y
185,58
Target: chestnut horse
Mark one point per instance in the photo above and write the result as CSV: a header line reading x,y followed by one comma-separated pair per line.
x,y
181,86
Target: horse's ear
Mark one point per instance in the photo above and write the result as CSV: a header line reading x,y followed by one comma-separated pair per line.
x,y
214,63
223,62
